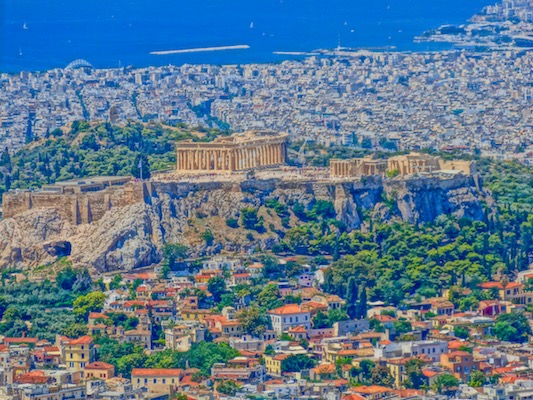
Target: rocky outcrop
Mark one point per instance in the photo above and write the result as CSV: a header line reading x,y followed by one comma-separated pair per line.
x,y
132,236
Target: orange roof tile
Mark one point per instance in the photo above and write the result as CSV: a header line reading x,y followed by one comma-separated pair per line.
x,y
82,340
99,365
287,309
373,389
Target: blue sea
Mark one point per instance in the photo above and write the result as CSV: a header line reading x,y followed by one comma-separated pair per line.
x,y
44,34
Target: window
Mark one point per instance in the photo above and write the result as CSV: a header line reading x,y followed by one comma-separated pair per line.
x,y
164,380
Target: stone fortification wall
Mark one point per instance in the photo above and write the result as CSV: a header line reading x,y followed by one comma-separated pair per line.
x,y
83,208
78,208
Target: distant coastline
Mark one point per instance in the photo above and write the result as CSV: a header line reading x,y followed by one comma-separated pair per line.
x,y
200,50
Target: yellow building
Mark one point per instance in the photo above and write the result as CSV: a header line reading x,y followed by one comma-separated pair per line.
x,y
195,315
157,380
397,370
273,363
78,353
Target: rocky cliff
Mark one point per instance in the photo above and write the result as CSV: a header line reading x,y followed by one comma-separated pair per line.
x,y
132,235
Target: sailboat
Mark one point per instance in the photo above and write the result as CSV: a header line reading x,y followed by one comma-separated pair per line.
x,y
25,26
252,25
20,51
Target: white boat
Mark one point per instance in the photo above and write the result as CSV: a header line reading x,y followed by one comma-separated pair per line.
x,y
25,26
252,25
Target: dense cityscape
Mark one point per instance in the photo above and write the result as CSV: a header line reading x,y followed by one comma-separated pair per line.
x,y
476,102
348,225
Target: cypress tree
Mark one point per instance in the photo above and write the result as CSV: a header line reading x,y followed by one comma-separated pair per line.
x,y
352,294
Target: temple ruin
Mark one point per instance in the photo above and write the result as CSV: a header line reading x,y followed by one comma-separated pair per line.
x,y
238,152
403,165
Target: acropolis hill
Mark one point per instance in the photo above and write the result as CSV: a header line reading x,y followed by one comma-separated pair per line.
x,y
110,223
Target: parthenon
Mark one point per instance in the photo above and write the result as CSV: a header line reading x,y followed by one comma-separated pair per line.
x,y
238,152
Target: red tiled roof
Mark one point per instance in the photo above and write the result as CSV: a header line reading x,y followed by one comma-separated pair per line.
x,y
82,340
384,318
19,340
353,396
429,373
96,315
243,275
287,309
373,389
498,285
99,365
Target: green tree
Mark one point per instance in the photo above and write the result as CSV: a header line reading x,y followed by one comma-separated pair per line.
x,y
217,287
126,363
381,376
512,327
445,383
116,282
461,332
362,304
296,363
84,304
228,388
415,378
320,321
250,220
366,367
174,253
254,321
141,167
352,297
269,350
269,297
477,379
208,237
75,330
12,313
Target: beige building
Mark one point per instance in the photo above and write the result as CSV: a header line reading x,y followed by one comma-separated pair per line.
x,y
238,152
99,370
157,380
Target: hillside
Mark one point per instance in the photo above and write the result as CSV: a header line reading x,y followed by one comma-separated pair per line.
x,y
93,149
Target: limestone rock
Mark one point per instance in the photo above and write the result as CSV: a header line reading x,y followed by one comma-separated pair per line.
x,y
132,236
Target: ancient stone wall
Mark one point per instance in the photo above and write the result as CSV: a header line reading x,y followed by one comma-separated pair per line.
x,y
79,208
